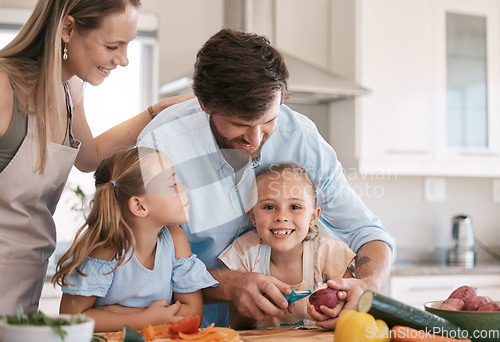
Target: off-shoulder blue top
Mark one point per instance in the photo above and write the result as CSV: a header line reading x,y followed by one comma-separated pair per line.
x,y
133,285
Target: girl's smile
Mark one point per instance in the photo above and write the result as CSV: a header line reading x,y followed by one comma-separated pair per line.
x,y
281,231
285,210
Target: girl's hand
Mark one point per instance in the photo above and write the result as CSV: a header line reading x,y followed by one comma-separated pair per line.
x,y
160,312
328,313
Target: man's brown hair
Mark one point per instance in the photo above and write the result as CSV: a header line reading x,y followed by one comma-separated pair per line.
x,y
239,73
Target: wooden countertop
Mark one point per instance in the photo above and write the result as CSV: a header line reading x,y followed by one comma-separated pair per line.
x,y
287,334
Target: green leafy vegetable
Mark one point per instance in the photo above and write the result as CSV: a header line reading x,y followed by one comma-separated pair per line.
x,y
40,319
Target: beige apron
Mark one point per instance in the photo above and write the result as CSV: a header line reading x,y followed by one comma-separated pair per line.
x,y
299,315
27,230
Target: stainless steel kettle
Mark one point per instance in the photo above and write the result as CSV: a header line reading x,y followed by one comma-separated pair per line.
x,y
462,253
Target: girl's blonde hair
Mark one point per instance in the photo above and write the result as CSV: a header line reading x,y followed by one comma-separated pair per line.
x,y
295,169
117,179
33,59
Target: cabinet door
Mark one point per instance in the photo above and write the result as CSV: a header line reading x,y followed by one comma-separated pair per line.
x,y
408,59
396,63
466,82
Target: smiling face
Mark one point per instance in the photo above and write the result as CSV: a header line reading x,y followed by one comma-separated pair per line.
x,y
93,54
285,209
166,196
231,132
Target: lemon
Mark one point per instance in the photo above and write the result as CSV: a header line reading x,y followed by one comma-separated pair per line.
x,y
354,326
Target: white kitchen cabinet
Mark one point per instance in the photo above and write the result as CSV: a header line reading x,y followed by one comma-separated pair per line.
x,y
401,55
416,290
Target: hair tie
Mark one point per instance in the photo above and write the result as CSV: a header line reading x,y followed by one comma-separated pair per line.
x,y
112,182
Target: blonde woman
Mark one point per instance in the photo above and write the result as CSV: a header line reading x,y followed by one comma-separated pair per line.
x,y
43,129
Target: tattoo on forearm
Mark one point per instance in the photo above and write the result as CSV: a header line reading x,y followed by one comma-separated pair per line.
x,y
362,261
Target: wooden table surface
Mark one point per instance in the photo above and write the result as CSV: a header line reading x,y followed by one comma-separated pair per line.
x,y
287,334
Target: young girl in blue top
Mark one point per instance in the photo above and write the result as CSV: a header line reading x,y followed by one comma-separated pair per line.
x,y
131,263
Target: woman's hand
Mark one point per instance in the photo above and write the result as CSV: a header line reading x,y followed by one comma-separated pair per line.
x,y
169,101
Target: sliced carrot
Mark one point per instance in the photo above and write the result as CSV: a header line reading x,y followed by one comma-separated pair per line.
x,y
211,333
406,334
148,332
112,336
161,330
195,336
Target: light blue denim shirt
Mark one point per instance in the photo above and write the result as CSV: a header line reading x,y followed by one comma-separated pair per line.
x,y
219,204
134,285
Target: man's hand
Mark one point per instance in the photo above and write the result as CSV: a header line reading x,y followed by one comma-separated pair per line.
x,y
260,297
254,295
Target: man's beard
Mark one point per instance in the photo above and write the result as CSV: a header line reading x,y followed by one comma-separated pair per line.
x,y
226,144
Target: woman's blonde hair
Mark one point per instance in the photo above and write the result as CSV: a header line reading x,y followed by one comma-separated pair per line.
x,y
33,58
294,169
117,179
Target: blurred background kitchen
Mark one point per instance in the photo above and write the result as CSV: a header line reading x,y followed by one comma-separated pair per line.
x,y
406,91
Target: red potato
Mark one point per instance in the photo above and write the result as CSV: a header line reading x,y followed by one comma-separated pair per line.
x,y
473,303
464,292
489,307
452,304
327,297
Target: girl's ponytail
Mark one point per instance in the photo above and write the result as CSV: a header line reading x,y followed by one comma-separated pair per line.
x,y
117,179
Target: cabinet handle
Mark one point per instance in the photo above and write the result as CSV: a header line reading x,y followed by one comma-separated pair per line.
x,y
478,153
414,152
430,288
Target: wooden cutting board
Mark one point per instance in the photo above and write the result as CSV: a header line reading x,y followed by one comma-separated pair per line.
x,y
287,334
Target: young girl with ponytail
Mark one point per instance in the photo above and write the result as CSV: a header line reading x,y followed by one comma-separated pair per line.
x,y
131,263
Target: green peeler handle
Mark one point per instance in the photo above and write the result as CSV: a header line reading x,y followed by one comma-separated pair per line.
x,y
294,296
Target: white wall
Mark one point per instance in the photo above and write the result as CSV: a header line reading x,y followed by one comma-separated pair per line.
x,y
18,3
399,202
184,26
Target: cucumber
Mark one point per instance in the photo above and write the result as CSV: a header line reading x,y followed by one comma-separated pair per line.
x,y
98,338
130,335
394,313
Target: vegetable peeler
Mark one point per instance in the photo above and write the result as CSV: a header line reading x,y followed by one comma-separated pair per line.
x,y
297,295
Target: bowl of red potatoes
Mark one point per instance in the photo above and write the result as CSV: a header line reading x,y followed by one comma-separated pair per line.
x,y
472,311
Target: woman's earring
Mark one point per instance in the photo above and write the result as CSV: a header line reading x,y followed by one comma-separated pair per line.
x,y
254,224
143,213
65,51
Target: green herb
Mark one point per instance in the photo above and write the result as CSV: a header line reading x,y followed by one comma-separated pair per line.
x,y
40,319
